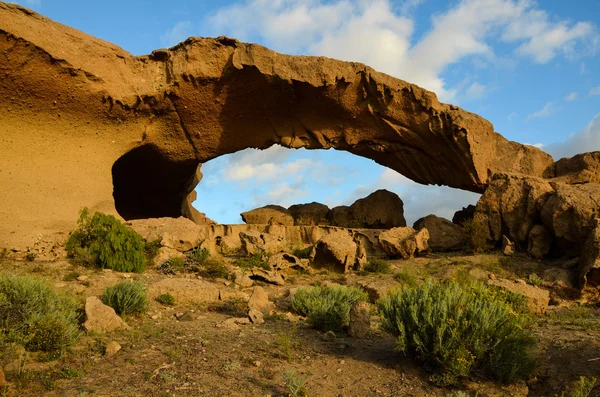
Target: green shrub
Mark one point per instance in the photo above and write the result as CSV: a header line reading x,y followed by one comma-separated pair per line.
x,y
296,384
252,261
405,278
582,388
30,256
34,315
151,249
327,307
166,299
460,330
476,234
104,241
535,280
378,266
212,268
126,297
199,256
172,266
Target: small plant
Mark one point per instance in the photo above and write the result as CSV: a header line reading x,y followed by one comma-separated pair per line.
x,y
535,280
199,256
213,268
126,297
301,252
328,307
30,256
460,330
34,315
296,384
151,249
583,387
102,240
252,261
172,266
378,266
476,234
71,276
405,278
166,299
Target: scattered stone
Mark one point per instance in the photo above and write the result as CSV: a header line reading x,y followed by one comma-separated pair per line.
x,y
101,318
233,323
256,317
360,320
259,300
268,215
256,363
242,278
166,253
329,336
112,348
283,261
268,276
226,294
537,298
508,248
377,288
443,234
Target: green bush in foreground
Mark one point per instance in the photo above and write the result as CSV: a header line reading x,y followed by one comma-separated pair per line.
x,y
327,307
104,241
461,330
165,299
36,316
126,297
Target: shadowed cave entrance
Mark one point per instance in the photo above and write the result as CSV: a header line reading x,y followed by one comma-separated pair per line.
x,y
148,185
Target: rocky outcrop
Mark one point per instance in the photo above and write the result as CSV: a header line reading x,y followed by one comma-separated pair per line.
x,y
540,242
582,168
179,234
309,214
137,128
381,209
269,215
463,215
403,242
338,251
443,234
589,262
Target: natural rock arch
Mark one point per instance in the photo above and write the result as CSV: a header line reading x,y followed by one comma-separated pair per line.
x,y
80,111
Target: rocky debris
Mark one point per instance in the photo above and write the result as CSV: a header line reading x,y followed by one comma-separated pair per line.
x,y
540,242
463,215
185,316
111,348
581,168
233,323
242,278
256,316
185,290
284,261
269,215
379,210
589,262
254,242
537,298
268,276
100,317
508,248
339,251
360,320
403,242
179,234
259,300
311,214
443,234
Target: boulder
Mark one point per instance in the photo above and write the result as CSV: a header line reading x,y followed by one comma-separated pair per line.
x,y
443,234
559,277
256,317
180,234
403,242
185,290
360,320
581,168
537,298
339,251
340,216
100,317
268,215
540,242
381,209
589,262
112,348
463,215
259,300
311,214
283,261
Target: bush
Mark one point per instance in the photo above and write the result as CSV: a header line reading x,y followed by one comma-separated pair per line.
x,y
582,388
252,261
460,330
166,299
378,266
405,278
327,307
34,315
215,269
199,256
104,241
151,249
476,234
126,297
172,266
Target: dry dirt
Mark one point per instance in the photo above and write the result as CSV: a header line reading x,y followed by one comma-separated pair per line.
x,y
162,356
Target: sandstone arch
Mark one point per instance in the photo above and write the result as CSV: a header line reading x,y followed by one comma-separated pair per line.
x,y
73,106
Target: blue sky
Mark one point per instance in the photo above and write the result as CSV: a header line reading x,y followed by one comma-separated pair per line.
x,y
531,68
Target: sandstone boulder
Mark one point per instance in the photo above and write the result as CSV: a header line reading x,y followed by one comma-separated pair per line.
x,y
463,215
443,234
381,209
403,242
589,262
180,234
559,277
339,251
259,300
537,298
283,261
540,242
581,168
100,317
311,214
360,320
268,215
112,348
508,248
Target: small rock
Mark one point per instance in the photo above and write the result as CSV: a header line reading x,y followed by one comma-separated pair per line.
x,y
508,248
360,320
100,317
112,348
257,363
82,278
187,316
125,275
537,298
328,336
260,301
256,317
233,323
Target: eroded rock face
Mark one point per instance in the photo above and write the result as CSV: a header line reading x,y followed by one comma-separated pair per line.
x,y
589,262
127,120
443,234
269,215
403,242
338,251
582,168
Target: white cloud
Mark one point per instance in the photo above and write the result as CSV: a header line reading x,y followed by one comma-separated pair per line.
x,y
537,145
265,171
595,90
587,140
546,111
475,91
373,33
511,116
178,33
571,97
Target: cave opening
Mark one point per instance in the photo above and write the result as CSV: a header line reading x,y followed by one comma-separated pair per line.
x,y
146,184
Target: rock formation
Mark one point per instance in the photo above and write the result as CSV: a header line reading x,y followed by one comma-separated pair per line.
x,y
88,124
269,215
443,234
